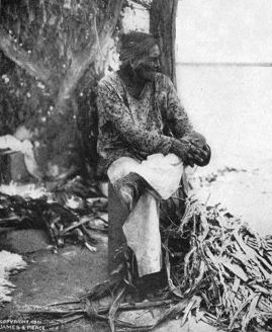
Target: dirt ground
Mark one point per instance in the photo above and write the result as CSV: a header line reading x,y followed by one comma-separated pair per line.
x,y
64,276
54,277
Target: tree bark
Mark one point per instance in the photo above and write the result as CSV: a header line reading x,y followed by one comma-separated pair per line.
x,y
23,60
82,61
163,27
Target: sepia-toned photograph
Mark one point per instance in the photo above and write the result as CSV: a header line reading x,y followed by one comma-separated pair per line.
x,y
136,165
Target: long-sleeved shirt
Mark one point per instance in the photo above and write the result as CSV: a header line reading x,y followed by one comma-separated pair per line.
x,y
137,127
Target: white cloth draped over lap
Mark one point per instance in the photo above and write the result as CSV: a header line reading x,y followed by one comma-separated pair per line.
x,y
141,229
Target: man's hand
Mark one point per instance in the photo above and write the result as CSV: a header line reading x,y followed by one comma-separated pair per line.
x,y
182,148
192,149
205,156
201,151
195,138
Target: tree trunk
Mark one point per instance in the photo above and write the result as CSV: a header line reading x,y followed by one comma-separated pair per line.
x,y
59,45
22,59
93,53
163,27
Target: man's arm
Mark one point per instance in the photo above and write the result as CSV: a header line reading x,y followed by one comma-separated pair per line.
x,y
114,110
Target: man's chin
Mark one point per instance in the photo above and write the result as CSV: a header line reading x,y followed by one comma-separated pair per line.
x,y
149,76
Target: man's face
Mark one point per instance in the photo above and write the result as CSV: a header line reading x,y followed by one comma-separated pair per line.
x,y
147,66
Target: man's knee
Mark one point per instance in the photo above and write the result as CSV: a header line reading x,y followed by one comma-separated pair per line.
x,y
129,188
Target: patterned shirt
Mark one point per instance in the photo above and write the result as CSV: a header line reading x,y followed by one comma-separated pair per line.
x,y
137,127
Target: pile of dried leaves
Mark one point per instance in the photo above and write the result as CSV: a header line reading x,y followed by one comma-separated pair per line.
x,y
65,216
218,269
227,269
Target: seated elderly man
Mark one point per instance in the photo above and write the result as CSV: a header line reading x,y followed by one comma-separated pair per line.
x,y
145,140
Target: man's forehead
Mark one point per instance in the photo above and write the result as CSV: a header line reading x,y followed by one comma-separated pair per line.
x,y
154,51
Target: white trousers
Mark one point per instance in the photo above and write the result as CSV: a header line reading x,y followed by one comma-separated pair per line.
x,y
141,229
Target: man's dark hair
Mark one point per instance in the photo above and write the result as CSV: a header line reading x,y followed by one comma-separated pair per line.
x,y
135,45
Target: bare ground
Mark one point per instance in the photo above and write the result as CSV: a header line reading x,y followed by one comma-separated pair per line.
x,y
64,276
